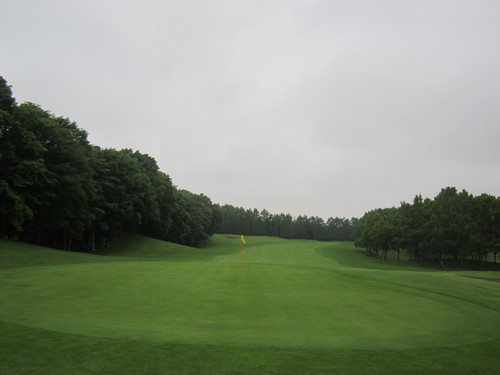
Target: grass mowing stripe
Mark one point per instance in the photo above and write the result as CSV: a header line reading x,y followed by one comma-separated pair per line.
x,y
478,293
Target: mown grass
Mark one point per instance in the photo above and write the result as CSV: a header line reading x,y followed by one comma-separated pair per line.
x,y
292,307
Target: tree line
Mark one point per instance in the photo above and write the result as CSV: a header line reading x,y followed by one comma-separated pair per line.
x,y
57,189
454,224
237,220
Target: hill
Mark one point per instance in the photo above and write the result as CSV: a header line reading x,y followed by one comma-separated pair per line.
x,y
293,306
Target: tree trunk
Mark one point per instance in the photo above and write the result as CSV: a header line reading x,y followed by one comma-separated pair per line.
x,y
441,260
92,240
64,239
56,239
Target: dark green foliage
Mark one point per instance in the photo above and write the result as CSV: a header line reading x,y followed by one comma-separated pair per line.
x,y
457,225
126,197
22,169
7,101
58,190
198,211
60,200
238,220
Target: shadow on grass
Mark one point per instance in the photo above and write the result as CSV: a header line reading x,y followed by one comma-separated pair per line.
x,y
357,258
137,246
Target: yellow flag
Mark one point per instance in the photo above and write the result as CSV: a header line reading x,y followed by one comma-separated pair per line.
x,y
242,240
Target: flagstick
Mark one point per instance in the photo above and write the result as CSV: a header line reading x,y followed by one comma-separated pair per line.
x,y
242,241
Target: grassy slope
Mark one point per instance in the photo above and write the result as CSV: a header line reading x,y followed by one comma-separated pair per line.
x,y
268,262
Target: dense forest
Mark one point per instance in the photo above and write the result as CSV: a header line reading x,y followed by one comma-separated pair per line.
x,y
262,223
58,190
453,225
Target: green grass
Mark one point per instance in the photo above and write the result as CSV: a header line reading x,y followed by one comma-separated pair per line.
x,y
293,307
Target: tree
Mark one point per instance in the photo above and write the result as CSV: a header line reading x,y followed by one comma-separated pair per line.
x,y
199,210
60,205
486,220
379,231
453,224
415,230
23,172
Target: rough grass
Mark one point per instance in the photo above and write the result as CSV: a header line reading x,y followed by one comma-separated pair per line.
x,y
303,307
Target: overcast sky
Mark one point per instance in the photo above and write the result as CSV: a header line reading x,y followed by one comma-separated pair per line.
x,y
324,108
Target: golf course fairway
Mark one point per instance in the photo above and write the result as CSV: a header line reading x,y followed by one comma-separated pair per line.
x,y
290,306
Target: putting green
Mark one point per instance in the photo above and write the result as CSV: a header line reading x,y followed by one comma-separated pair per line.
x,y
285,305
